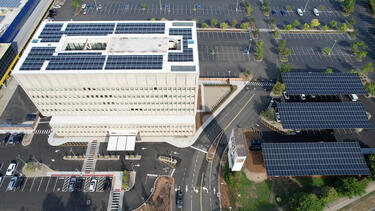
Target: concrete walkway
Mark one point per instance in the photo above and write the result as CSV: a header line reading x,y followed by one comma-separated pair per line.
x,y
342,202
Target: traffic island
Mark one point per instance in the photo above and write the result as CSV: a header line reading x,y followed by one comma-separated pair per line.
x,y
161,196
34,169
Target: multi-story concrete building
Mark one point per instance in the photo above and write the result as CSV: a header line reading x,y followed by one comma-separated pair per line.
x,y
98,77
237,151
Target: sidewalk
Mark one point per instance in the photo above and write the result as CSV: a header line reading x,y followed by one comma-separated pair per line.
x,y
177,142
342,202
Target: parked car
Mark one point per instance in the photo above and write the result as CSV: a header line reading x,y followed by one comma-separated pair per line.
x,y
316,12
11,138
179,201
107,183
78,186
12,183
299,12
72,183
4,139
283,13
277,117
93,184
52,13
256,142
303,97
353,97
84,11
274,12
83,6
20,182
286,97
19,138
1,178
11,168
100,6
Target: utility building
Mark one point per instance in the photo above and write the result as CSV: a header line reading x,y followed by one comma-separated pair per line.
x,y
94,78
237,151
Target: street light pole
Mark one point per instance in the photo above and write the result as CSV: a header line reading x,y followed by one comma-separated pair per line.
x,y
237,6
96,6
249,46
160,4
304,10
19,158
71,150
332,48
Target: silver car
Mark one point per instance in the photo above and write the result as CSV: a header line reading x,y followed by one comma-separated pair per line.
x,y
299,12
316,12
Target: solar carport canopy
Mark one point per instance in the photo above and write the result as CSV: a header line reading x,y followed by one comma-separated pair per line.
x,y
322,83
309,159
327,115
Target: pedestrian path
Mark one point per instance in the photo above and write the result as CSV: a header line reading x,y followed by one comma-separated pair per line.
x,y
261,83
115,200
90,162
47,131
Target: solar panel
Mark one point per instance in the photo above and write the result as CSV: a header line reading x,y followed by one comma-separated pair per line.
x,y
309,159
36,58
140,28
187,54
322,83
73,62
328,115
131,62
10,3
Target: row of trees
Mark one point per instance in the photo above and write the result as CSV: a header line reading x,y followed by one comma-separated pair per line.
x,y
344,187
313,24
284,52
233,23
348,6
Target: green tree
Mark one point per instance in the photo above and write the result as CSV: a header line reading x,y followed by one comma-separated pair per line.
x,y
285,68
285,52
342,27
143,5
204,25
326,51
268,114
329,70
233,23
213,22
315,23
75,4
328,194
352,71
288,27
152,19
256,33
295,23
278,88
324,28
305,202
333,24
360,55
252,20
223,25
351,20
370,88
275,34
348,6
272,22
244,25
259,50
306,26
248,8
282,45
288,8
350,186
368,68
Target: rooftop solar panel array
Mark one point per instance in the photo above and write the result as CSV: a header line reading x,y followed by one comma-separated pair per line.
x,y
309,159
10,3
328,115
51,32
187,54
74,62
323,83
36,58
140,28
132,62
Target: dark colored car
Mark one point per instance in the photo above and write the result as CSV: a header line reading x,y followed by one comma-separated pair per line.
x,y
20,182
18,138
78,185
283,13
256,142
107,183
179,199
11,138
4,139
72,183
274,12
52,13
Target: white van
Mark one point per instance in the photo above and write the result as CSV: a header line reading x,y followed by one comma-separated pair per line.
x,y
353,97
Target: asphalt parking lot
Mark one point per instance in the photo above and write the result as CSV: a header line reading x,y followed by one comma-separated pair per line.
x,y
131,10
331,11
221,54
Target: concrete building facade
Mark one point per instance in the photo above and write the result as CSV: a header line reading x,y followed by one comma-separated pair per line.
x,y
114,75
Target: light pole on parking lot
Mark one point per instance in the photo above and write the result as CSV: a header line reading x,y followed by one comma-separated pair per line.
x,y
332,47
304,9
249,46
96,6
237,6
19,158
160,4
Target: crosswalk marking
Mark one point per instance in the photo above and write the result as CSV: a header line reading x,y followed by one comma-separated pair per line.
x,y
260,83
66,184
47,131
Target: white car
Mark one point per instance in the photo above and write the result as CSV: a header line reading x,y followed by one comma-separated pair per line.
x,y
286,97
11,169
303,97
84,6
316,12
277,115
299,12
93,185
353,97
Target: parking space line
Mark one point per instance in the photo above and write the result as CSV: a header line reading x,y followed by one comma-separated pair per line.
x,y
49,179
40,184
2,181
24,185
32,184
54,187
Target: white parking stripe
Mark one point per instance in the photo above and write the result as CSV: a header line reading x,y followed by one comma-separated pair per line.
x,y
49,179
54,187
32,184
40,184
24,185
